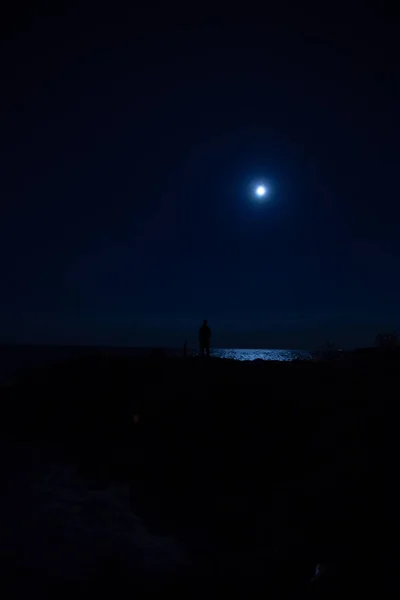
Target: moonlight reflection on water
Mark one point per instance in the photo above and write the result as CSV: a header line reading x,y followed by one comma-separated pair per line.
x,y
273,354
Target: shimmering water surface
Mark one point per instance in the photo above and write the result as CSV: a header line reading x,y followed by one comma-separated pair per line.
x,y
266,354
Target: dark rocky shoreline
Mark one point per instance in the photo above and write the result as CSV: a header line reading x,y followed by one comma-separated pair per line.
x,y
255,472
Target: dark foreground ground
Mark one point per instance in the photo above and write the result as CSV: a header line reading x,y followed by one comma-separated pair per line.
x,y
194,477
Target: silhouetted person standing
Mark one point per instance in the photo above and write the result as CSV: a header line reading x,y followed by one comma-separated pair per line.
x,y
204,339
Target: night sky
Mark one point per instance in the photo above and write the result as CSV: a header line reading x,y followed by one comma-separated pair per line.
x,y
130,146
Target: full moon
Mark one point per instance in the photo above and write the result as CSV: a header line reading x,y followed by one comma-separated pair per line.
x,y
261,191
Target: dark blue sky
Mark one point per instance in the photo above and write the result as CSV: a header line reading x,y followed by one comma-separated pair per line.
x,y
127,149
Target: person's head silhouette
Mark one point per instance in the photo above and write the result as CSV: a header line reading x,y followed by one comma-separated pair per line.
x,y
205,322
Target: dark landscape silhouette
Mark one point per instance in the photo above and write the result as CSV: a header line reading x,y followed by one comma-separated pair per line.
x,y
254,472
